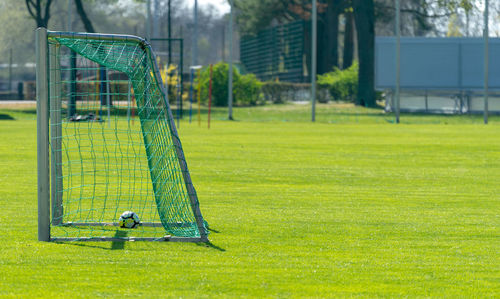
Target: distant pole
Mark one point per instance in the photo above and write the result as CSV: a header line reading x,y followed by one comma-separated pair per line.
x,y
128,100
191,78
72,74
108,97
177,95
467,22
69,15
223,41
181,68
486,60
398,50
195,35
313,58
132,109
210,95
199,97
10,70
170,34
230,70
155,32
148,20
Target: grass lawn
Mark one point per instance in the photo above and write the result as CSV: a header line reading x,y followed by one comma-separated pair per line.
x,y
351,205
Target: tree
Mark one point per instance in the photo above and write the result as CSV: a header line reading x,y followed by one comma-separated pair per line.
x,y
83,16
39,10
328,44
256,15
348,51
364,17
454,27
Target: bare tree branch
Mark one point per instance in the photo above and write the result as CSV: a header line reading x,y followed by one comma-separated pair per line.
x,y
35,10
29,3
83,16
47,12
417,12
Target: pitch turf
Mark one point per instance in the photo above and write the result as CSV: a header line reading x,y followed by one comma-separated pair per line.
x,y
352,205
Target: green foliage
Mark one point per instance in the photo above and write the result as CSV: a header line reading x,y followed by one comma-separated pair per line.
x,y
219,83
255,15
246,88
454,27
274,91
279,92
173,82
342,84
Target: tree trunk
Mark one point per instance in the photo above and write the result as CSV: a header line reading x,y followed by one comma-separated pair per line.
x,y
83,16
87,24
364,17
328,53
307,52
348,41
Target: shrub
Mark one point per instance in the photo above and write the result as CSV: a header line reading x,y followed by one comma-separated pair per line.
x,y
342,84
246,88
280,92
219,83
173,81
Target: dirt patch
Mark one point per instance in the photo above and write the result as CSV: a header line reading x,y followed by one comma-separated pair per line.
x,y
17,105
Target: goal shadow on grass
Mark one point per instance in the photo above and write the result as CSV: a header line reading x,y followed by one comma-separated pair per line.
x,y
211,245
120,244
6,117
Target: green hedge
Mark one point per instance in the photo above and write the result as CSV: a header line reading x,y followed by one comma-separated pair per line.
x,y
246,88
342,84
279,92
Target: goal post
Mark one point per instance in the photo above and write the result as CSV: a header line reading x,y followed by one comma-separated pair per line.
x,y
95,161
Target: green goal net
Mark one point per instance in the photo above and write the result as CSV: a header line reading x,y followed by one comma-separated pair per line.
x,y
112,143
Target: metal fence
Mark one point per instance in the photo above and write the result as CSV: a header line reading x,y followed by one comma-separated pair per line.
x,y
276,53
170,59
438,75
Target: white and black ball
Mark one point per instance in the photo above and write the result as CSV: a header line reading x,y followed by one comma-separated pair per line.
x,y
129,219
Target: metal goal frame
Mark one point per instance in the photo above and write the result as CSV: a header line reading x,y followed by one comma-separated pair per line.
x,y
49,160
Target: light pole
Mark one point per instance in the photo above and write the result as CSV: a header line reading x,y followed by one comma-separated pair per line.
x,y
195,35
148,20
230,70
486,60
69,15
169,33
155,32
398,68
313,59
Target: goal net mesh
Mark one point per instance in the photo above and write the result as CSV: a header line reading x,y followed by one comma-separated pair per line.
x,y
117,149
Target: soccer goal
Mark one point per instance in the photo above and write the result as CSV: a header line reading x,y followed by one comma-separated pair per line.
x,y
107,144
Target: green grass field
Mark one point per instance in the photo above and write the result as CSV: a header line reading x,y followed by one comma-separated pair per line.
x,y
350,206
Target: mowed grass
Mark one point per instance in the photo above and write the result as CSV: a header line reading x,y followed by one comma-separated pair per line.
x,y
350,206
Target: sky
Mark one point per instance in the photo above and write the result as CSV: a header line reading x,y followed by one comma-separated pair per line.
x,y
221,5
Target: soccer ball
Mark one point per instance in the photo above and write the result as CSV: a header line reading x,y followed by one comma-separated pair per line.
x,y
129,220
